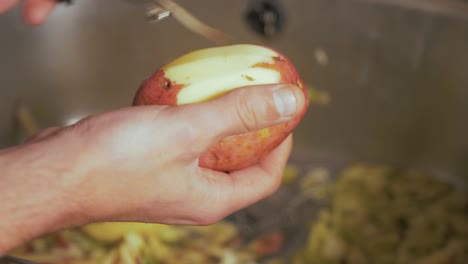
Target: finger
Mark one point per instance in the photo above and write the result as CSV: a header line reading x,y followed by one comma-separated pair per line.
x,y
6,5
234,191
243,110
36,12
257,182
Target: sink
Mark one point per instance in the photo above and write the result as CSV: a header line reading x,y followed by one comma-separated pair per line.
x,y
396,71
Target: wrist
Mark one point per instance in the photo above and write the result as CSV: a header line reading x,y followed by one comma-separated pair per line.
x,y
36,192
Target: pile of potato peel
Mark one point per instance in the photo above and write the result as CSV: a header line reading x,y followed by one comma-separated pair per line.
x,y
376,214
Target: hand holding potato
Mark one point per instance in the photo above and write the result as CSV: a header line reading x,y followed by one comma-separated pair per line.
x,y
141,164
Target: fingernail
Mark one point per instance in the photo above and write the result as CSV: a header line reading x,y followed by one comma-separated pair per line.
x,y
285,100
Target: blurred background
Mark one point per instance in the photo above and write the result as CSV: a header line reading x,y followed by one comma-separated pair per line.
x,y
390,86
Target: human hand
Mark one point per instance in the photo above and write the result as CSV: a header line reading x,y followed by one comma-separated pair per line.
x,y
141,163
34,11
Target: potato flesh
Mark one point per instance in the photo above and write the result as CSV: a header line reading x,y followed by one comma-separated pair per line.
x,y
212,72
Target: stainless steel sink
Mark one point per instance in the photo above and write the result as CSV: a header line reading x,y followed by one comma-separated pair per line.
x,y
396,71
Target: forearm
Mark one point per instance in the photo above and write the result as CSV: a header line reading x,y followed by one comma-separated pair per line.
x,y
34,195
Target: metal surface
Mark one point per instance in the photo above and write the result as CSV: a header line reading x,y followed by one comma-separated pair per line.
x,y
396,72
155,13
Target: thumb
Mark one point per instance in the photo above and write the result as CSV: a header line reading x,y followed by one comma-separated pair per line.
x,y
248,109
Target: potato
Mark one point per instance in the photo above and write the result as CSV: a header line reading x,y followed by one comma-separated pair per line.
x,y
208,73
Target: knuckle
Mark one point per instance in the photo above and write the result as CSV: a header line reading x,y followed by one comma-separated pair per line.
x,y
274,182
85,125
271,185
275,185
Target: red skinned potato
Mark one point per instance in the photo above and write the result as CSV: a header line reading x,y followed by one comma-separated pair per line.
x,y
205,74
